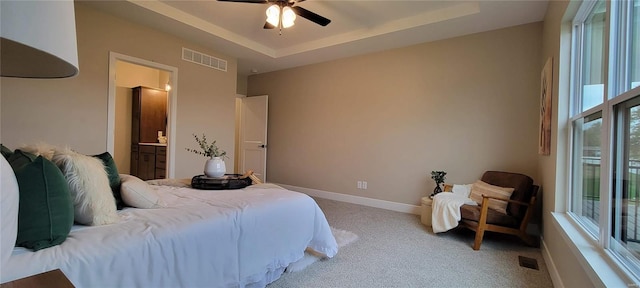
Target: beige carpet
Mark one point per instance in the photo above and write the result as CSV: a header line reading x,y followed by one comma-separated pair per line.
x,y
395,250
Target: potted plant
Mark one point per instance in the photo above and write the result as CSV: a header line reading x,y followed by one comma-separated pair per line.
x,y
438,177
214,167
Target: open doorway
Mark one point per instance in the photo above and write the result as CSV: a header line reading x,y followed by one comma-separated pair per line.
x,y
125,74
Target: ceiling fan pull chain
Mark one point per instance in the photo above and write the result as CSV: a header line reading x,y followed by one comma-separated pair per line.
x,y
280,22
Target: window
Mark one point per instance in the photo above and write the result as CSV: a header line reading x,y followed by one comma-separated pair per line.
x,y
605,128
593,57
588,147
589,75
626,189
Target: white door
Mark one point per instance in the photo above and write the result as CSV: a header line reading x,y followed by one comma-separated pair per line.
x,y
253,136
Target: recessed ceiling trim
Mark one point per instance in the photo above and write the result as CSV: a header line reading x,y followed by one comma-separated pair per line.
x,y
188,19
376,24
443,14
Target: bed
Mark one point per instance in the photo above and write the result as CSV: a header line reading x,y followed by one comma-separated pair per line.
x,y
202,238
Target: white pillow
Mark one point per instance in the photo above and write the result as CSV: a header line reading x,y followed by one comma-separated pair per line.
x,y
137,193
9,200
93,200
462,190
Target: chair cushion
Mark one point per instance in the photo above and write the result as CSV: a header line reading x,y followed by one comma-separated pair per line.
x,y
521,183
472,212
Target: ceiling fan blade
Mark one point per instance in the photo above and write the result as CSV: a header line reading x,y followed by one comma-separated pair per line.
x,y
246,1
268,25
313,17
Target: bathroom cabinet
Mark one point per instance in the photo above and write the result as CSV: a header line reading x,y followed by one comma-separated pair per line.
x,y
150,161
149,119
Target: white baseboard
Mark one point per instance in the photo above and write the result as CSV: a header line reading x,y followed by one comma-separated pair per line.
x,y
388,205
551,266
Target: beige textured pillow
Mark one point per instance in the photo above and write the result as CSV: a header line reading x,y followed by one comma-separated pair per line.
x,y
137,193
479,187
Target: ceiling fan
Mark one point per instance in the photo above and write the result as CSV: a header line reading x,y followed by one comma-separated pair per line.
x,y
281,13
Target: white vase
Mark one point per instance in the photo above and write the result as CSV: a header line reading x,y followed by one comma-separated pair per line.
x,y
215,167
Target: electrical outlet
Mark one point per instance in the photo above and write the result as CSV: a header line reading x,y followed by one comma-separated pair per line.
x,y
364,184
359,185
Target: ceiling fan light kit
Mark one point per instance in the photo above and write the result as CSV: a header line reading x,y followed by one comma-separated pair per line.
x,y
273,15
277,15
282,13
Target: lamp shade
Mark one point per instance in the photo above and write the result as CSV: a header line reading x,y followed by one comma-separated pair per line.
x,y
288,17
273,15
38,39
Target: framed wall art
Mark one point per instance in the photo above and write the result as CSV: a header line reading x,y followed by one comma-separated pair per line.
x,y
546,86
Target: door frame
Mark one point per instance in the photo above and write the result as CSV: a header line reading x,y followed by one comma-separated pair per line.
x,y
172,108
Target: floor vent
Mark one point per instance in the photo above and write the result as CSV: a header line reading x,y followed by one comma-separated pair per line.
x,y
204,59
527,262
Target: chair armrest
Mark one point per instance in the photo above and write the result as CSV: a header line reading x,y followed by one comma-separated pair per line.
x,y
507,200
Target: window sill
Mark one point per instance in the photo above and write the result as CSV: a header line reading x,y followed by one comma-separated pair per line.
x,y
597,263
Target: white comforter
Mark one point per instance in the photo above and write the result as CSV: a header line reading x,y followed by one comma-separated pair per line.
x,y
205,238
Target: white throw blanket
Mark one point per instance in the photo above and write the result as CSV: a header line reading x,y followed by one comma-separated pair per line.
x,y
446,211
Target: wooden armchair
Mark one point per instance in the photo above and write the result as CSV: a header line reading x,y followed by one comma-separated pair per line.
x,y
520,208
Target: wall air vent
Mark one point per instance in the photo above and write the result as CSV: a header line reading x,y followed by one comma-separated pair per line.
x,y
204,59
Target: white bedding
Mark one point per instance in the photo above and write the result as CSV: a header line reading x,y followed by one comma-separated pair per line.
x,y
204,238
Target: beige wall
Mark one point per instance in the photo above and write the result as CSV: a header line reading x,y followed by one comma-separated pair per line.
x,y
463,105
242,85
122,135
553,175
131,75
74,111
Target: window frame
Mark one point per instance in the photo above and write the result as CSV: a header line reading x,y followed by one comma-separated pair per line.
x,y
616,90
576,92
608,244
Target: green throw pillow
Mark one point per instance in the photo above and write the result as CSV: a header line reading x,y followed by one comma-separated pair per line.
x,y
45,213
114,177
6,152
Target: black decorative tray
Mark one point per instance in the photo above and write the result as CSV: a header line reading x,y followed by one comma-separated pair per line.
x,y
228,181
